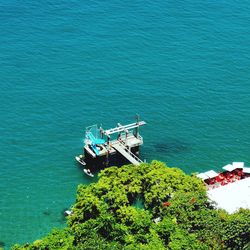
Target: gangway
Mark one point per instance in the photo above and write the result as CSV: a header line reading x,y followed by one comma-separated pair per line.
x,y
123,150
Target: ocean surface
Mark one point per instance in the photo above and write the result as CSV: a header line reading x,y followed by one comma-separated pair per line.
x,y
184,66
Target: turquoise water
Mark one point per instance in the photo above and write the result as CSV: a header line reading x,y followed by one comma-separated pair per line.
x,y
64,65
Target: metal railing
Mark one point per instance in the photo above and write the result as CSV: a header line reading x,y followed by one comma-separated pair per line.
x,y
129,152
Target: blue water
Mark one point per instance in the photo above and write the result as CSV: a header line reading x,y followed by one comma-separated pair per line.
x,y
64,65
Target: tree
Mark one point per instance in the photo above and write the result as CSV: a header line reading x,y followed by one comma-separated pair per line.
x,y
176,214
236,230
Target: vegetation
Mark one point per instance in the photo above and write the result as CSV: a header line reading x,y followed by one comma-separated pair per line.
x,y
175,214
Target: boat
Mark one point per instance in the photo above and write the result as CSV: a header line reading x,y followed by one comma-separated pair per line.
x,y
68,212
80,160
87,172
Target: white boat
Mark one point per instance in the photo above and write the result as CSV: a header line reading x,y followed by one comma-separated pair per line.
x,y
68,212
80,160
87,172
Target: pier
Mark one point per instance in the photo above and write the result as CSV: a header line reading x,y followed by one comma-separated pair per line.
x,y
112,146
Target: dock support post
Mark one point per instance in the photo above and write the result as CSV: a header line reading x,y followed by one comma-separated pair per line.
x,y
137,128
101,132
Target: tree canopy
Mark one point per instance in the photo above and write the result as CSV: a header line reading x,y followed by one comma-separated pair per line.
x,y
175,214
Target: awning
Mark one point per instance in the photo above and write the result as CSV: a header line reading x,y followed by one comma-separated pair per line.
x,y
238,164
211,173
229,167
202,176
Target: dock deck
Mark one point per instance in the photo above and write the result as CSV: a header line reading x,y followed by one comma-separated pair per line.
x,y
122,139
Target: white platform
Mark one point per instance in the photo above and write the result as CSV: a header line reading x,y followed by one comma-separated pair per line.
x,y
232,196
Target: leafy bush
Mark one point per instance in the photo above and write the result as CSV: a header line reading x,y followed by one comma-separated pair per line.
x,y
176,214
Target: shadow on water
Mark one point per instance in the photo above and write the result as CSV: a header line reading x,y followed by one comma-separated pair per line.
x,y
172,146
2,244
47,213
62,218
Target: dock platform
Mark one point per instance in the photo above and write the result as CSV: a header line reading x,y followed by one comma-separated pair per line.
x,y
103,146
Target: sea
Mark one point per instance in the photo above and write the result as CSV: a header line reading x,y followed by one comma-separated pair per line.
x,y
183,66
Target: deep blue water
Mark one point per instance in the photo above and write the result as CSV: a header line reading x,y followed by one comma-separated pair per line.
x,y
64,65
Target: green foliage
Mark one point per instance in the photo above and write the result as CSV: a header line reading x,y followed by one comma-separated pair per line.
x,y
57,239
181,239
236,230
104,216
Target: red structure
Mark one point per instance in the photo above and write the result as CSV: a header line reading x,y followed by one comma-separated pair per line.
x,y
166,204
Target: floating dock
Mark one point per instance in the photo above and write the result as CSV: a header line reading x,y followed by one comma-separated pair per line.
x,y
113,146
